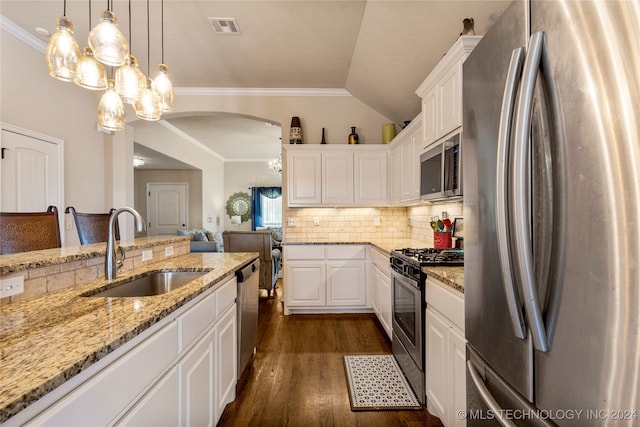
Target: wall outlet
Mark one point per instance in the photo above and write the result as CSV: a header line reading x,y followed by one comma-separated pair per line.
x,y
209,220
445,214
68,224
147,255
316,220
168,251
11,286
291,222
410,222
376,221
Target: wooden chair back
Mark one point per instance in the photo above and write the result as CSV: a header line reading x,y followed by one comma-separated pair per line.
x,y
29,231
93,227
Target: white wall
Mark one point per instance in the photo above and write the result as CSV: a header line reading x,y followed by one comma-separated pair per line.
x,y
31,99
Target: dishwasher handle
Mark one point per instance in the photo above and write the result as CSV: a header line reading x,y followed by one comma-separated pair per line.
x,y
244,273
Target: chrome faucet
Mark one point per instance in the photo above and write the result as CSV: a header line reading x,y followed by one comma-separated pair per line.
x,y
111,263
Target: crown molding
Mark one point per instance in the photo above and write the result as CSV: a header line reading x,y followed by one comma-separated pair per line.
x,y
256,91
21,34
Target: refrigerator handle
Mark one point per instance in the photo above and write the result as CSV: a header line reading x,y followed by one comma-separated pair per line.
x,y
487,397
523,243
504,137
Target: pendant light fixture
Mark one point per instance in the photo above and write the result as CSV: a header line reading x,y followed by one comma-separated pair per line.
x,y
62,52
162,84
107,42
90,74
148,106
111,110
130,81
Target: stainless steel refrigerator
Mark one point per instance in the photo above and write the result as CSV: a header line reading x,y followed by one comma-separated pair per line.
x,y
551,140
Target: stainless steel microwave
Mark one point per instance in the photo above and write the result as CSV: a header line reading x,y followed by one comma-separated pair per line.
x,y
441,170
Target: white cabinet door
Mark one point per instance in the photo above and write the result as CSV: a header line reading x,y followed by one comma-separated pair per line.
x,y
395,165
337,178
430,115
226,351
196,372
382,298
410,173
305,283
304,174
437,378
450,100
346,283
371,179
458,359
159,406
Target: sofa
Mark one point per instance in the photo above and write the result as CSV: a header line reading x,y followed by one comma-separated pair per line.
x,y
262,243
203,240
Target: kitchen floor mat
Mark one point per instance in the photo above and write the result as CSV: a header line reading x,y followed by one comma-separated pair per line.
x,y
376,383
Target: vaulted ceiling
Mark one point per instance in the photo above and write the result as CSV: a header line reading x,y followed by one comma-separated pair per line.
x,y
379,51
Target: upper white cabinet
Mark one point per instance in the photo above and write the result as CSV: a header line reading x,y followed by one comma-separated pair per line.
x,y
340,175
405,164
441,91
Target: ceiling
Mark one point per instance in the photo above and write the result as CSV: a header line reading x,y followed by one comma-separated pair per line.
x,y
379,51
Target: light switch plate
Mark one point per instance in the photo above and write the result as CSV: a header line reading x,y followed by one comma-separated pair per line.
x,y
11,286
316,220
376,221
147,255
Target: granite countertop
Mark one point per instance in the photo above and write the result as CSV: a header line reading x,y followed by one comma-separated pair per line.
x,y
450,276
24,260
49,339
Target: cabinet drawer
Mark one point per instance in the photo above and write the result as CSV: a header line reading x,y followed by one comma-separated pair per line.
x,y
304,252
380,260
116,386
345,252
195,321
226,296
447,301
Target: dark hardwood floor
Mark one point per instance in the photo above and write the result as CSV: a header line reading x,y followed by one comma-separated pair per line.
x,y
298,379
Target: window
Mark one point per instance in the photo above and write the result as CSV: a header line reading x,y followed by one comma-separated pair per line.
x,y
271,211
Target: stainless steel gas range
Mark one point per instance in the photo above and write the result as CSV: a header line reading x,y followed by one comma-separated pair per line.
x,y
409,282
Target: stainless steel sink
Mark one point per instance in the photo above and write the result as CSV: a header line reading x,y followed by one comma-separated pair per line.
x,y
154,283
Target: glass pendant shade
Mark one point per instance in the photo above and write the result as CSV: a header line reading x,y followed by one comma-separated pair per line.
x,y
148,106
63,52
107,42
164,88
130,81
90,74
111,110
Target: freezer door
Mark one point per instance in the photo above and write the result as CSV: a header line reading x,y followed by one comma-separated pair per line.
x,y
592,56
488,322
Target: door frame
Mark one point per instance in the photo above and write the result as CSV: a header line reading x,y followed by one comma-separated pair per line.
x,y
59,144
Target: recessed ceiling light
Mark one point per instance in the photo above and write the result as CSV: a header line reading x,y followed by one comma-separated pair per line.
x,y
42,32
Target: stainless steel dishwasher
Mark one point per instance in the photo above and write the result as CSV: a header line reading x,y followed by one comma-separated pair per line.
x,y
247,306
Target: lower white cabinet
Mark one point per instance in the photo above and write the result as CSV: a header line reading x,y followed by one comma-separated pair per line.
x,y
179,372
381,299
445,354
324,278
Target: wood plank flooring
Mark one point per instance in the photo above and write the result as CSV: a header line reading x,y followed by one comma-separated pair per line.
x,y
297,377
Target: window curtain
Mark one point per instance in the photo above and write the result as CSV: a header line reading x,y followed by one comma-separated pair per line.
x,y
256,206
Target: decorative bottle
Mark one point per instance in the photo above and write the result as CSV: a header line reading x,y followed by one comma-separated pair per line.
x,y
295,133
353,136
323,141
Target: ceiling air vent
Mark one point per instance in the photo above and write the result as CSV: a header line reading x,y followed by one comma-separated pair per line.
x,y
225,25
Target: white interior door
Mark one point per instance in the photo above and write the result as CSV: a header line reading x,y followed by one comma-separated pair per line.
x,y
167,207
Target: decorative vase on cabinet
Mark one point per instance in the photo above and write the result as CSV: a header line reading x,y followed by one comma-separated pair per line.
x,y
353,136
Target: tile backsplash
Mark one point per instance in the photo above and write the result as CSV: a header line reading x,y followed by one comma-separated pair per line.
x,y
365,224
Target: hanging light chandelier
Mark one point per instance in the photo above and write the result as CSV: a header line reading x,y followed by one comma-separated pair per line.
x,y
162,84
275,165
62,51
90,73
108,46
